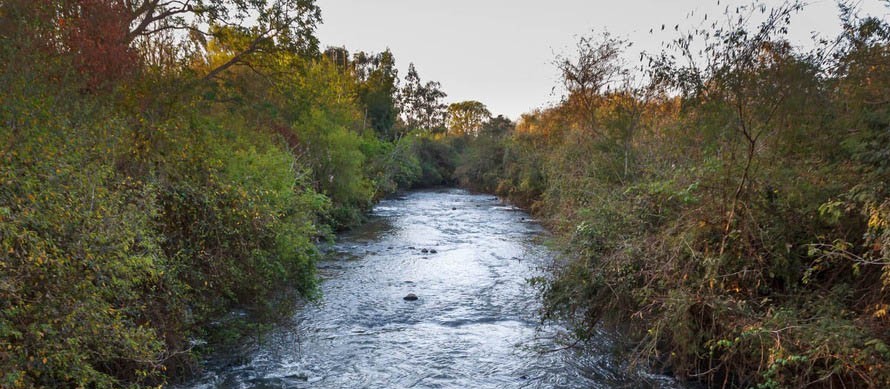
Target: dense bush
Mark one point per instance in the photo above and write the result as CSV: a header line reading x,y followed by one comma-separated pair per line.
x,y
142,201
106,273
437,160
731,218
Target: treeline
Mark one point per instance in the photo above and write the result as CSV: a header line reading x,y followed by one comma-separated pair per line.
x,y
162,162
726,204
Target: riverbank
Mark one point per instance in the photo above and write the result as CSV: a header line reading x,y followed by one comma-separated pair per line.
x,y
730,259
146,193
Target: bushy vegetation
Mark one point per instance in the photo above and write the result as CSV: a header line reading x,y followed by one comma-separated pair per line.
x,y
156,174
162,164
729,211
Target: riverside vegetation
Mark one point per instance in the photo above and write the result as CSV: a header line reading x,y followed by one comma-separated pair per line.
x,y
724,204
163,162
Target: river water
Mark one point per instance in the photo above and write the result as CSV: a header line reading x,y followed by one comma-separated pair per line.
x,y
474,324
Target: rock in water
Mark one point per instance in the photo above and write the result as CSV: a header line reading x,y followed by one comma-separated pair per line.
x,y
410,297
424,251
433,251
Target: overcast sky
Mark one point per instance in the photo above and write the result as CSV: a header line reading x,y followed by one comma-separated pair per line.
x,y
501,52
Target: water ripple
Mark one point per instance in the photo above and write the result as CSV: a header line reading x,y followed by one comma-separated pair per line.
x,y
473,326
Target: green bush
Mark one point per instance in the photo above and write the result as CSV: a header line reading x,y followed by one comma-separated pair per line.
x,y
123,241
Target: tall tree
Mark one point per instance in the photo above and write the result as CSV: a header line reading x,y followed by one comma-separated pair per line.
x,y
378,88
421,104
593,67
746,74
467,118
100,33
497,126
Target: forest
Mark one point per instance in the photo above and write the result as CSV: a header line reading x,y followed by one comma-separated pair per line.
x,y
724,203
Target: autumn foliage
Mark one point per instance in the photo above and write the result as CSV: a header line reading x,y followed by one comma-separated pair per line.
x,y
94,34
155,175
727,211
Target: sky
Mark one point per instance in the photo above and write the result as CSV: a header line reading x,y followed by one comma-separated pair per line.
x,y
501,52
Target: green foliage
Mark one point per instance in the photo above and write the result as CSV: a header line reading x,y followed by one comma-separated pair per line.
x,y
168,179
421,104
479,166
480,160
106,274
467,118
78,250
437,159
337,164
391,166
378,91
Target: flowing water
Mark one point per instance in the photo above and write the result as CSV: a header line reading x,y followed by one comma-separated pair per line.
x,y
474,324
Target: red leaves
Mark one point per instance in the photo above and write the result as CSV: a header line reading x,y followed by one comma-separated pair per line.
x,y
95,33
90,35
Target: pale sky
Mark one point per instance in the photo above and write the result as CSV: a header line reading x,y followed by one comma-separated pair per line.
x,y
501,52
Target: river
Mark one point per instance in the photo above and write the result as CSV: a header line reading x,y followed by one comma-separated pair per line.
x,y
467,258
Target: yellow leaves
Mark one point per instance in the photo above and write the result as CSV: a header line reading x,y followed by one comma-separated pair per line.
x,y
880,311
876,221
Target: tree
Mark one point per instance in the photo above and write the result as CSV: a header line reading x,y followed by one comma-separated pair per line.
x,y
92,32
339,56
378,88
467,118
421,104
595,65
746,77
497,126
99,32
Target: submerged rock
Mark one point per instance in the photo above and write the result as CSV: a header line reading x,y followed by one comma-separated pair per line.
x,y
410,297
301,376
